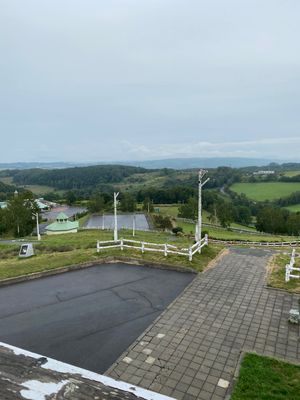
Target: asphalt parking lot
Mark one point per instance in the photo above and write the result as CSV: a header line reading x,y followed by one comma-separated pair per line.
x,y
87,317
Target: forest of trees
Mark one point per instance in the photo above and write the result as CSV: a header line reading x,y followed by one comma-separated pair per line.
x,y
96,184
75,178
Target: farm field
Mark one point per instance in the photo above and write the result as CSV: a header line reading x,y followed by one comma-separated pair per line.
x,y
293,208
224,234
35,189
291,173
266,190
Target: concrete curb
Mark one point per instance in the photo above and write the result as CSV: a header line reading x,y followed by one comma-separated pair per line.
x,y
104,260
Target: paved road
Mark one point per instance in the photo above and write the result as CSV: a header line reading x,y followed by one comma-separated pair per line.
x,y
124,221
191,352
88,317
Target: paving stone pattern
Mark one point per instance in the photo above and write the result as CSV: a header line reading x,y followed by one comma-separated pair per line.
x,y
192,350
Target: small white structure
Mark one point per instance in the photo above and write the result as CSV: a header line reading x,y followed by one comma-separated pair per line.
x,y
26,250
62,225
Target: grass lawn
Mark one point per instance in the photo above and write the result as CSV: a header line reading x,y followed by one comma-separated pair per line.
x,y
293,208
172,211
224,234
276,272
266,190
264,378
60,251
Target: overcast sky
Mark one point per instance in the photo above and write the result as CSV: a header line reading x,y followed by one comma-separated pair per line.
x,y
92,80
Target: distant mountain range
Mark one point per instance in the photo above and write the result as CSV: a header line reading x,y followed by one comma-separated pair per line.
x,y
175,163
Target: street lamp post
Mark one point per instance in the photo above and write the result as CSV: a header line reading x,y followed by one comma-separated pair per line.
x,y
133,225
115,213
202,172
37,226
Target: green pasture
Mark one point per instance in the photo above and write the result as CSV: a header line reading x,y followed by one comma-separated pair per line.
x,y
261,191
226,234
291,173
293,208
35,189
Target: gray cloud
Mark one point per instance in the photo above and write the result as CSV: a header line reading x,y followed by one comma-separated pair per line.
x,y
80,78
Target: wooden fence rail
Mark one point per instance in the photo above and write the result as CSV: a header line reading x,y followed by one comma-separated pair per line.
x,y
155,247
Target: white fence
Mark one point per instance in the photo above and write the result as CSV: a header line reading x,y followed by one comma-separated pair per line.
x,y
251,243
155,247
289,268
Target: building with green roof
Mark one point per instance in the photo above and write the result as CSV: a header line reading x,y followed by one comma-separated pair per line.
x,y
62,225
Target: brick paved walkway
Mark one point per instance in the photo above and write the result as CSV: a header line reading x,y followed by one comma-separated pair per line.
x,y
192,350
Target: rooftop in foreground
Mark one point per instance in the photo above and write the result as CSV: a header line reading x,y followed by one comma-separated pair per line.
x,y
26,375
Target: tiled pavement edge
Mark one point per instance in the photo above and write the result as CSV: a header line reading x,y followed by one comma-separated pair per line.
x,y
192,350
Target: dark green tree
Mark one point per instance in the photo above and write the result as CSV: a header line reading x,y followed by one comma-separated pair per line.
x,y
128,203
225,213
190,209
96,203
148,205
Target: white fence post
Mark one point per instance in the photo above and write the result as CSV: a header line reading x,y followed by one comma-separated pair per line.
x,y
206,239
287,272
155,247
290,268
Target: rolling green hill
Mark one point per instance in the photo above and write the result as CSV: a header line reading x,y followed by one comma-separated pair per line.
x,y
261,191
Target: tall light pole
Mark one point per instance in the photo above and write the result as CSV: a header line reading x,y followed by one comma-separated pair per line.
x,y
116,220
202,172
133,225
37,226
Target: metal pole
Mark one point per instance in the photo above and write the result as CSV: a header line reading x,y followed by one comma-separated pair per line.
x,y
37,226
133,225
116,220
103,221
202,172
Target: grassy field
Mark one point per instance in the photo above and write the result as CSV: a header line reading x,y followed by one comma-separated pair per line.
x,y
291,173
294,208
225,234
36,189
266,190
60,251
265,378
276,273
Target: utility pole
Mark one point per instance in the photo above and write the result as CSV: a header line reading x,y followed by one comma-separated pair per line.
x,y
37,226
115,212
103,221
133,225
202,172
